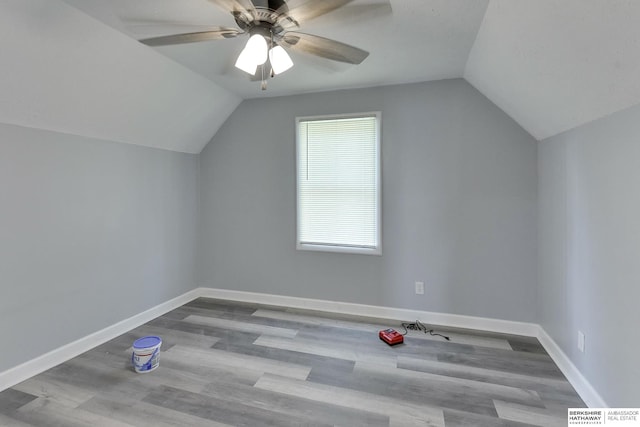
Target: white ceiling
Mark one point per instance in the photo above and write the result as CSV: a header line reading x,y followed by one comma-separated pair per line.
x,y
553,65
63,71
75,66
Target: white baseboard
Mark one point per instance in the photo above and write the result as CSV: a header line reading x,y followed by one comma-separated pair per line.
x,y
586,391
442,319
26,370
33,367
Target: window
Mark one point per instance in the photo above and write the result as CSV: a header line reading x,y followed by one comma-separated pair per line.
x,y
338,183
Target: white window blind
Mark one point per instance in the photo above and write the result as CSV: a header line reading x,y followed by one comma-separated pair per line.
x,y
338,167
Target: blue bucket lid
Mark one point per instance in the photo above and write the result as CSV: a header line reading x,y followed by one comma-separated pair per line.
x,y
147,342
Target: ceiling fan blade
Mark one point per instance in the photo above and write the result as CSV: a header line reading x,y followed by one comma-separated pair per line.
x,y
356,13
244,8
311,9
323,47
200,36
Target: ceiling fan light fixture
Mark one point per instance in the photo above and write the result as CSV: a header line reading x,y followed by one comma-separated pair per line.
x,y
280,59
253,54
246,63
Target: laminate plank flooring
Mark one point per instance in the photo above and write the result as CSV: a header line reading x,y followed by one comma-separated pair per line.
x,y
237,364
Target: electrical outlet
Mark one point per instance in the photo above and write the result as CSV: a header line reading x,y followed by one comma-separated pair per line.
x,y
581,341
420,288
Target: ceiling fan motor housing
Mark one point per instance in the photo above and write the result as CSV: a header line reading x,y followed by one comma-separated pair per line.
x,y
271,5
266,13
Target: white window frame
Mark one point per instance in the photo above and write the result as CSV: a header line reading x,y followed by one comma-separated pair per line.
x,y
377,250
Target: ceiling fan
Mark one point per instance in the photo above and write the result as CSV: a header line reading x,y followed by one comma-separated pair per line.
x,y
271,26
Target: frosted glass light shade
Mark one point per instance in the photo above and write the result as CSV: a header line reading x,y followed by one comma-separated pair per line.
x,y
253,54
280,60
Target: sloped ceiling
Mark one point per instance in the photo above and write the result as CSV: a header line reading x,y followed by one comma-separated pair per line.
x,y
67,72
553,65
76,66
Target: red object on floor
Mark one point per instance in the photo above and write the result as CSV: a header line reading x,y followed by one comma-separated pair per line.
x,y
391,336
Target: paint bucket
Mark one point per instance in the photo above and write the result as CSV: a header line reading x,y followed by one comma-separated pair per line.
x,y
146,354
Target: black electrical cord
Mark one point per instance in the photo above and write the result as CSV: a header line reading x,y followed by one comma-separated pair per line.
x,y
418,326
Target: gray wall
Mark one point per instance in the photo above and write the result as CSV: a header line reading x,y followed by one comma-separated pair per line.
x,y
589,222
459,204
91,233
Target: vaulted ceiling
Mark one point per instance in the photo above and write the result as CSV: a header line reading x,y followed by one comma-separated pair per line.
x,y
75,66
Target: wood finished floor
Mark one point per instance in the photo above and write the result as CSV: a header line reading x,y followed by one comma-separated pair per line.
x,y
236,364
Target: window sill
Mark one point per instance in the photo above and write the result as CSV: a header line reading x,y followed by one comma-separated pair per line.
x,y
339,249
